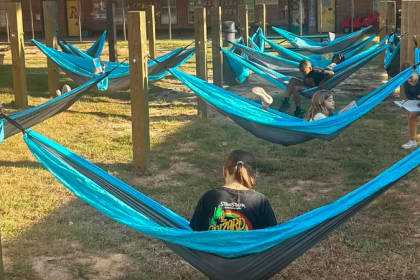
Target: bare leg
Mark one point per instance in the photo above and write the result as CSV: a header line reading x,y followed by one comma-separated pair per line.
x,y
296,94
412,125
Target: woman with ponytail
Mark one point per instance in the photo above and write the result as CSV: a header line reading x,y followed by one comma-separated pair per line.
x,y
235,206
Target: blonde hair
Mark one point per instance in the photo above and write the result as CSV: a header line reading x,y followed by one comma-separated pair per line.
x,y
318,104
243,165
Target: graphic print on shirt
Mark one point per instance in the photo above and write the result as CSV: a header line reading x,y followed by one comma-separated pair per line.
x,y
229,219
309,82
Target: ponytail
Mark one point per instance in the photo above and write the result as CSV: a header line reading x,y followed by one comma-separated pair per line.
x,y
243,165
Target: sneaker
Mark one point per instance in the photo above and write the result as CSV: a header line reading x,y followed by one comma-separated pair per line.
x,y
284,106
265,97
66,88
410,145
300,113
57,93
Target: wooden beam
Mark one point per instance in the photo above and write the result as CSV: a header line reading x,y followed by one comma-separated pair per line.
x,y
137,47
79,19
261,17
1,261
410,23
18,54
217,39
50,23
151,30
301,17
112,32
320,16
352,15
387,16
169,20
392,16
243,21
201,54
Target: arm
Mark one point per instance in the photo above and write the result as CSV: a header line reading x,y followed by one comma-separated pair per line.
x,y
327,75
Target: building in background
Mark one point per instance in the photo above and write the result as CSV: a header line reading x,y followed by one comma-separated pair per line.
x,y
283,13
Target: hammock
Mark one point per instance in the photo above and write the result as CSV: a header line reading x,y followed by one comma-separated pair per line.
x,y
318,60
417,59
224,255
305,44
81,69
280,128
32,116
94,51
342,71
234,73
392,56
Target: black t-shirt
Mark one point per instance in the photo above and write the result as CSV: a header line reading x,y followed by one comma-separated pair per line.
x,y
314,77
411,92
228,209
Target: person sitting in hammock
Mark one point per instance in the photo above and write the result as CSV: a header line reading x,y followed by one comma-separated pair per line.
x,y
412,92
322,105
311,77
336,59
235,206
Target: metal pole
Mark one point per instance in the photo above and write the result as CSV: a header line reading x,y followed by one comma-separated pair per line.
x,y
301,16
7,27
32,19
124,21
169,20
79,12
352,14
320,16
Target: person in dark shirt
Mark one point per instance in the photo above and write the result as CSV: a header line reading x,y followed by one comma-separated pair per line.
x,y
412,92
235,206
312,77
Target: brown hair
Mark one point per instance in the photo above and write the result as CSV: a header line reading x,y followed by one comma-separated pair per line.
x,y
406,65
317,105
243,165
339,56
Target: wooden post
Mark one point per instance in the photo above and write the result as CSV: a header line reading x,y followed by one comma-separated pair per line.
x,y
7,27
112,32
124,20
352,15
50,23
201,54
410,23
392,16
32,19
18,54
137,48
261,18
217,38
300,17
151,30
320,16
243,21
386,16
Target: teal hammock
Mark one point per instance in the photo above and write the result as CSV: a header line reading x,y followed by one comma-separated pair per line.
x,y
93,52
392,56
336,45
234,73
81,69
224,255
280,77
277,127
35,115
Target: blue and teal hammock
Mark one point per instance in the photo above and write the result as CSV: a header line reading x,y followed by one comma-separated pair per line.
x,y
234,73
270,70
280,128
81,69
93,52
417,59
336,45
32,116
223,255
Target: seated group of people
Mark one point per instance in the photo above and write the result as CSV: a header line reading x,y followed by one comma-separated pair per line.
x,y
236,206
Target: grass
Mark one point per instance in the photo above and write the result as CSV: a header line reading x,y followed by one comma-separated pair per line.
x,y
47,232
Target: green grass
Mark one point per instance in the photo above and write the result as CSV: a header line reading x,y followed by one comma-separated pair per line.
x,y
46,230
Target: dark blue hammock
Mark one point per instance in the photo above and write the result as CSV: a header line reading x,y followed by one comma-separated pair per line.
x,y
224,255
306,44
278,127
93,52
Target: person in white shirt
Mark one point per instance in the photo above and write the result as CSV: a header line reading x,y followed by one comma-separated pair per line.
x,y
322,105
